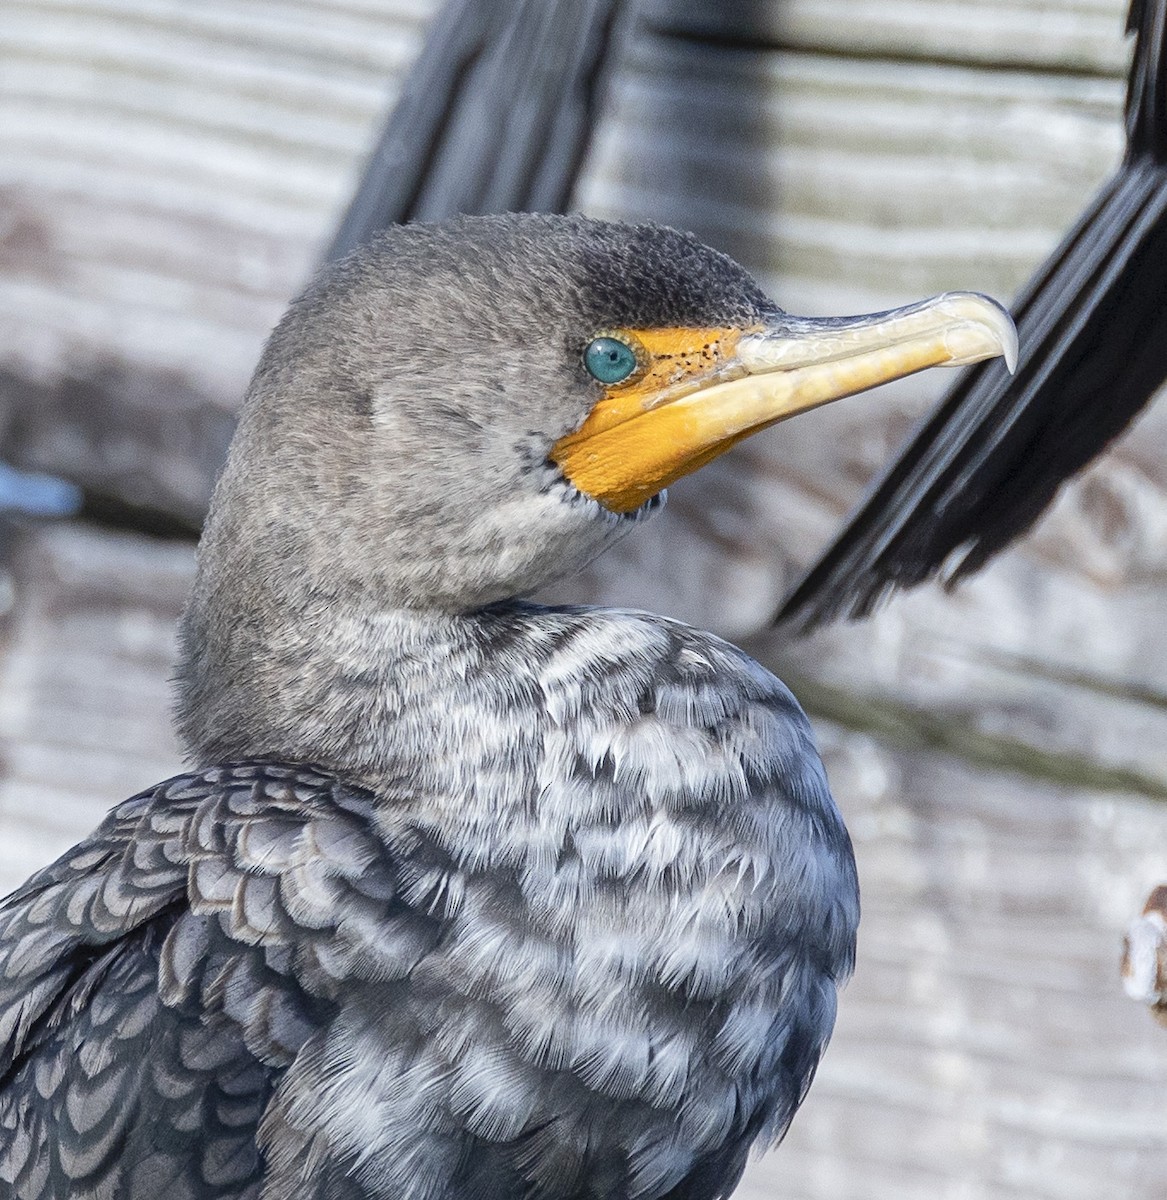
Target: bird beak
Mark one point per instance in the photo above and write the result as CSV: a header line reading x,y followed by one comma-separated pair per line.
x,y
700,391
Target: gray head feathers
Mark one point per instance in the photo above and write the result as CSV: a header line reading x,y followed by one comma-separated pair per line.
x,y
393,447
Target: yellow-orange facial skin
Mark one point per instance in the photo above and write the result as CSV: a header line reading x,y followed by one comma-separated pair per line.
x,y
697,392
673,363
625,469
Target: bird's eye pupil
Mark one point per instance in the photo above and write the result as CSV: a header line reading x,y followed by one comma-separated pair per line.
x,y
609,360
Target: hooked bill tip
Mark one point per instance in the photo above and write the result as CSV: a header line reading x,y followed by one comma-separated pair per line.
x,y
990,317
1010,347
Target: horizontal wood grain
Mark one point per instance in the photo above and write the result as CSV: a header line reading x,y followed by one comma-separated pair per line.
x,y
1072,36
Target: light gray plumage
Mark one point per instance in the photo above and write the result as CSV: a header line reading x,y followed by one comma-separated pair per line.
x,y
560,906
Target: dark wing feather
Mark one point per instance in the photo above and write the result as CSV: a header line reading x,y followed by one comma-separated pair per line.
x,y
1092,325
157,980
496,116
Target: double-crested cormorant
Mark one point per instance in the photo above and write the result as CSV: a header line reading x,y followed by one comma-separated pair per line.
x,y
465,897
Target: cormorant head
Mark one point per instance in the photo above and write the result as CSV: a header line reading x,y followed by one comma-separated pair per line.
x,y
460,413
457,414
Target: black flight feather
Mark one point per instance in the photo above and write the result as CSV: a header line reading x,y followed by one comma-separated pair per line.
x,y
988,461
496,116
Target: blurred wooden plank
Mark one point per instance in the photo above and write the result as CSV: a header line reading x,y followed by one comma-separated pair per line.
x,y
168,175
1073,36
168,172
984,1048
838,179
145,436
88,648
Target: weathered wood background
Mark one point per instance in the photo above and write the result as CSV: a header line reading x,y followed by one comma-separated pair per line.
x,y
169,173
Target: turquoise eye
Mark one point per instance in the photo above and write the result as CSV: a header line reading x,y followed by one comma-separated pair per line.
x,y
610,360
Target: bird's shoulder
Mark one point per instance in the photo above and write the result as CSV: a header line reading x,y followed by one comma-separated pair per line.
x,y
607,654
651,691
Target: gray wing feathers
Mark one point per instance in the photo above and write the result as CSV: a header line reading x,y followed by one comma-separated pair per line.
x,y
54,928
157,979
